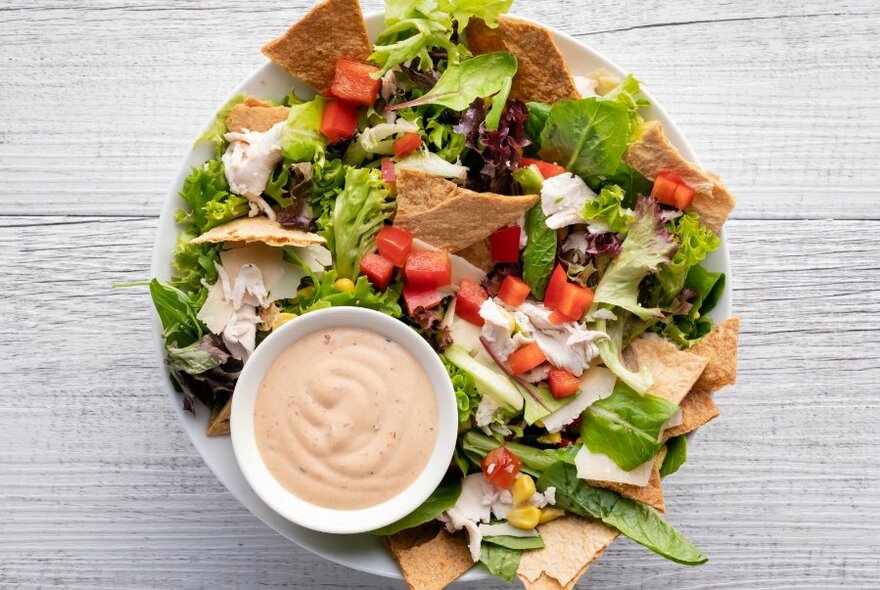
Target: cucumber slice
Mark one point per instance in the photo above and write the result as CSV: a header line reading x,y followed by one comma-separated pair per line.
x,y
488,381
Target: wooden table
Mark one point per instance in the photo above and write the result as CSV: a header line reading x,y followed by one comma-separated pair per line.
x,y
100,488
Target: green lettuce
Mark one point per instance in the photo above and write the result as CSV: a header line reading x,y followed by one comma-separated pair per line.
x,y
695,241
608,208
539,255
477,445
440,500
538,115
707,288
626,426
328,180
611,353
633,183
358,214
502,562
210,202
191,264
639,522
676,455
510,542
215,132
301,140
466,395
496,107
324,294
177,312
628,93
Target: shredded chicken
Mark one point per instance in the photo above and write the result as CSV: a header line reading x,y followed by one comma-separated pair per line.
x,y
245,296
248,162
562,199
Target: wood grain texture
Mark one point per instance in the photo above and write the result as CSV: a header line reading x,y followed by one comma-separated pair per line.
x,y
100,488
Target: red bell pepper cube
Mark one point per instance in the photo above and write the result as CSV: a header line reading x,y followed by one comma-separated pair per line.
x,y
526,358
395,244
468,301
339,120
558,280
562,383
513,291
389,175
377,269
670,189
428,269
557,318
574,301
416,297
505,244
407,144
547,169
353,82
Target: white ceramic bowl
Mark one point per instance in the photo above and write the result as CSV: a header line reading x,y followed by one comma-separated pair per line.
x,y
297,510
366,553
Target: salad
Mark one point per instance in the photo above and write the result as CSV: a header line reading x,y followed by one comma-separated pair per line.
x,y
530,224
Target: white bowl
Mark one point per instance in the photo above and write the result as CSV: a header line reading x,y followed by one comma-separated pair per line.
x,y
320,518
366,553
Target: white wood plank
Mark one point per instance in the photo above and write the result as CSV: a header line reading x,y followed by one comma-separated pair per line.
x,y
100,100
99,487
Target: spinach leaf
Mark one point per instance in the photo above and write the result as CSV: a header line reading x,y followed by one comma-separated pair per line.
x,y
515,542
625,426
539,255
588,136
639,522
500,561
177,311
477,445
442,499
499,101
538,114
676,455
461,84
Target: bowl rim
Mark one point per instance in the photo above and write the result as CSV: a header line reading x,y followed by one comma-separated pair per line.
x,y
218,454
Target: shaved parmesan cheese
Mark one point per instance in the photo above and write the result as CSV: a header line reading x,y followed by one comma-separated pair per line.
x,y
217,310
280,278
505,530
596,383
597,466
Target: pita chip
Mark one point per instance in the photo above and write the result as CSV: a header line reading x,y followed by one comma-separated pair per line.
x,y
697,409
219,424
674,371
542,74
255,115
651,494
429,559
332,30
478,254
258,229
652,152
718,347
450,217
571,545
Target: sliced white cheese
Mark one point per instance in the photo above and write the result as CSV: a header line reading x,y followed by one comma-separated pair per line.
x,y
504,529
600,467
217,310
280,278
674,420
596,383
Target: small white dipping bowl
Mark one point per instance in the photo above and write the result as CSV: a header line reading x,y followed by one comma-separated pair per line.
x,y
297,510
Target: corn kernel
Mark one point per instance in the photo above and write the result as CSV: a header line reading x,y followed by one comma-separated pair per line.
x,y
306,291
522,489
551,438
539,424
282,319
344,285
696,315
525,517
548,514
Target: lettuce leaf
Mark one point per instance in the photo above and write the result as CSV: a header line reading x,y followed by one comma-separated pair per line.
x,y
611,353
177,312
301,140
626,426
695,242
204,371
440,500
191,264
627,93
676,455
646,247
324,294
706,288
214,134
466,395
502,562
487,10
210,202
538,115
608,208
632,182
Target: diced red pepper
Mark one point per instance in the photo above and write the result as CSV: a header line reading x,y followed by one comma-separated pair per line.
x,y
574,301
501,467
352,82
513,291
468,301
378,270
558,280
505,244
339,120
526,358
547,169
557,318
395,244
407,144
416,297
562,383
389,175
670,189
428,269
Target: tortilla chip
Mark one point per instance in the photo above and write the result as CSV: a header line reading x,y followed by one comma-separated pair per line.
x,y
450,217
652,152
571,545
479,254
651,494
332,30
220,424
258,229
542,74
255,115
429,559
697,409
718,347
674,371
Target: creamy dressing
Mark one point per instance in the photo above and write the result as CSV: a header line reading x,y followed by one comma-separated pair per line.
x,y
345,418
